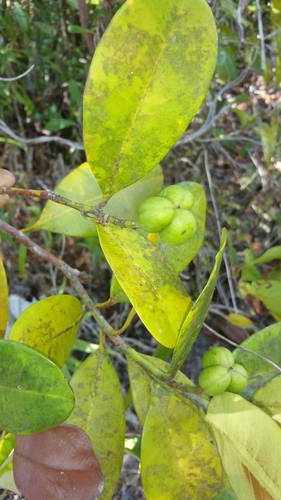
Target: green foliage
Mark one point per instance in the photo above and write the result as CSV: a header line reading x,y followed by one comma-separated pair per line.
x,y
147,80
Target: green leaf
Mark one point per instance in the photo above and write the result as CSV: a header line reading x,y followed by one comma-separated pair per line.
x,y
140,383
21,17
266,342
179,257
195,318
49,326
81,186
226,495
34,394
141,99
4,300
267,397
248,441
178,456
58,123
74,28
269,137
272,254
268,291
116,292
133,446
99,411
152,286
7,444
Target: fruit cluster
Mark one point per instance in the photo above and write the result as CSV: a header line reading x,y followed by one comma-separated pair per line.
x,y
221,373
169,215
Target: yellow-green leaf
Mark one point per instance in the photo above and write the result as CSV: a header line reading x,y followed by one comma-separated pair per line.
x,y
80,186
268,291
4,298
125,204
195,318
99,411
178,456
267,397
266,342
140,383
152,286
148,78
49,326
179,257
249,443
7,444
239,320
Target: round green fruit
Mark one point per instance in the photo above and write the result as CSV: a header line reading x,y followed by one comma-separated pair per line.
x,y
155,214
214,380
218,356
180,196
239,378
181,228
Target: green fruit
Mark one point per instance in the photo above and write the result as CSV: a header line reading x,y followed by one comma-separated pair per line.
x,y
181,228
214,380
218,356
155,213
239,378
180,196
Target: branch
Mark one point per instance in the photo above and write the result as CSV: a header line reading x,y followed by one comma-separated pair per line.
x,y
13,79
225,258
261,35
85,23
39,140
212,116
95,214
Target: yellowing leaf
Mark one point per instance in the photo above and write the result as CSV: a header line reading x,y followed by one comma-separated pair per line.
x,y
99,411
267,397
80,186
195,318
249,442
178,457
239,320
148,78
152,286
4,304
49,326
140,383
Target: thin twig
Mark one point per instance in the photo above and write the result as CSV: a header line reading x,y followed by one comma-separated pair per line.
x,y
225,258
239,22
95,213
212,116
39,140
14,78
261,35
264,358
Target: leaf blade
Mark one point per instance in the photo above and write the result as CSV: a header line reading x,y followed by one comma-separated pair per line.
x,y
31,385
152,286
129,92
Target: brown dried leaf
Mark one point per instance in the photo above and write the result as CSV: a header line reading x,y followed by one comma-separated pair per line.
x,y
57,463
